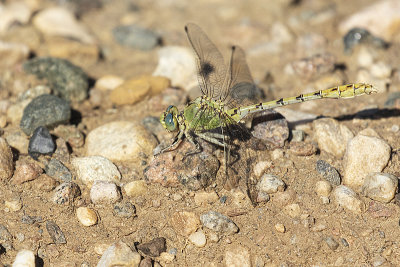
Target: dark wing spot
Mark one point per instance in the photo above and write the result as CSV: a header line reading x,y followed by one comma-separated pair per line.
x,y
206,69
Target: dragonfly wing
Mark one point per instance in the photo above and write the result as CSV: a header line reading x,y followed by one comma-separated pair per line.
x,y
210,63
240,89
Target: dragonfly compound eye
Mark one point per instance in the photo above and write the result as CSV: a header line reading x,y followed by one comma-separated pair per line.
x,y
170,122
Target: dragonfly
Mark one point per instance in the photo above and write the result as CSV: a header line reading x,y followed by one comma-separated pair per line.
x,y
227,91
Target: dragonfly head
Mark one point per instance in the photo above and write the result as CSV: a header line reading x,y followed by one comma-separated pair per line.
x,y
169,119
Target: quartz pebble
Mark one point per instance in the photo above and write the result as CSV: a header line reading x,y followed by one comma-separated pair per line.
x,y
120,141
270,183
380,186
135,188
95,168
104,192
332,136
237,255
219,223
280,228
13,205
178,64
119,254
24,258
365,154
348,198
45,110
86,216
323,188
198,239
6,161
58,21
185,223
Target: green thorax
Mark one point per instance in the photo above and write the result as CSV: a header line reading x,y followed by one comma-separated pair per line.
x,y
204,114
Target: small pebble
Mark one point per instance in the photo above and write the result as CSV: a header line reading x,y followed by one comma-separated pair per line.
x,y
130,92
176,197
119,254
347,198
124,209
6,238
167,257
185,223
95,168
24,258
280,228
71,134
380,186
277,154
108,82
302,148
365,154
41,143
135,188
356,36
271,127
344,242
201,198
198,239
120,141
86,216
55,233
44,183
325,200
136,37
34,92
57,170
65,193
261,167
332,244
328,172
270,183
6,161
17,139
178,64
104,192
298,135
323,188
332,136
45,110
25,172
59,21
237,255
20,237
153,248
219,223
293,210
13,205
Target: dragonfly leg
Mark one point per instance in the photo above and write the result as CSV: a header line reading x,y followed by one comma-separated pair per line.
x,y
213,138
192,140
174,145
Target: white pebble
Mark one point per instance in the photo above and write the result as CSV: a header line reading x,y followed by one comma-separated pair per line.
x,y
280,228
261,167
135,188
277,154
120,141
24,258
13,205
178,64
332,136
323,188
108,82
198,239
347,198
86,216
103,192
270,183
380,186
95,168
365,154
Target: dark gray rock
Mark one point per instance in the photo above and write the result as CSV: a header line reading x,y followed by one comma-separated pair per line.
x,y
67,80
328,172
45,110
358,36
136,37
55,233
124,209
57,170
41,143
153,248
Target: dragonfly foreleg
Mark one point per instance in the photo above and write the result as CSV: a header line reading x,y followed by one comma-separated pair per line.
x,y
174,144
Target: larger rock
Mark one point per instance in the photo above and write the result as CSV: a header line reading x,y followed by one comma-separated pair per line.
x,y
347,198
6,161
119,254
45,110
217,222
136,37
95,168
237,256
24,258
365,154
332,136
66,79
120,141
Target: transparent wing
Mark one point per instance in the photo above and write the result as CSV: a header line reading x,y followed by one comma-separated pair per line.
x,y
210,63
240,88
